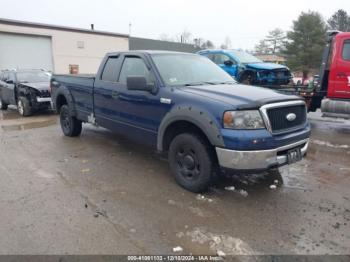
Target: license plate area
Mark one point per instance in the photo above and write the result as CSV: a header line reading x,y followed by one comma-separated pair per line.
x,y
294,155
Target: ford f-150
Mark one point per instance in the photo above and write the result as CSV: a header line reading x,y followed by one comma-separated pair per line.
x,y
190,110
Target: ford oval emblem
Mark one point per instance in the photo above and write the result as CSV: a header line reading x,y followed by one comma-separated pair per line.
x,y
291,117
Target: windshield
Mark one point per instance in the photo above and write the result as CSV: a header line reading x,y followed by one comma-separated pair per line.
x,y
33,76
244,57
183,69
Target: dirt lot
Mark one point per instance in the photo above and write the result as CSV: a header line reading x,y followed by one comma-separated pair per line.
x,y
102,194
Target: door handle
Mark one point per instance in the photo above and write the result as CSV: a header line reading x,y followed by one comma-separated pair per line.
x,y
115,94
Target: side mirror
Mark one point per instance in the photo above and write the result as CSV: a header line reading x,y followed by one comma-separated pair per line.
x,y
228,63
138,83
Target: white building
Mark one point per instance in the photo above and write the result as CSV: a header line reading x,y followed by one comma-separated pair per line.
x,y
59,49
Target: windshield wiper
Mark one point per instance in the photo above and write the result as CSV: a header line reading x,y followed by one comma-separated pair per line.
x,y
200,83
226,83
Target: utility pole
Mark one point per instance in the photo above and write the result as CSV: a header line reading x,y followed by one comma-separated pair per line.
x,y
129,28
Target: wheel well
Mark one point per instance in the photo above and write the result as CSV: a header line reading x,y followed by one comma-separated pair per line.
x,y
247,73
60,101
180,127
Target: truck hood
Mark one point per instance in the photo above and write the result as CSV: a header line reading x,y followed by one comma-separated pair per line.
x,y
266,66
240,96
41,86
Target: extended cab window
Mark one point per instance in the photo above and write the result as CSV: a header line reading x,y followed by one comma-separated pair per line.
x,y
346,50
134,66
110,71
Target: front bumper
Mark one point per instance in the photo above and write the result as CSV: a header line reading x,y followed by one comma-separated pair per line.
x,y
258,160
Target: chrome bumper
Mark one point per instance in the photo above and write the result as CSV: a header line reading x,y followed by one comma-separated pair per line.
x,y
257,160
43,99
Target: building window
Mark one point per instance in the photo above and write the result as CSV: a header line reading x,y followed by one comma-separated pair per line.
x,y
81,44
74,69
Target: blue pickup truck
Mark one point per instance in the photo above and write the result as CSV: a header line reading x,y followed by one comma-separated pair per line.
x,y
190,110
248,69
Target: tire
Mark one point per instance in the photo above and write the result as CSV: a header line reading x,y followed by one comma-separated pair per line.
x,y
247,79
191,162
3,106
70,125
23,106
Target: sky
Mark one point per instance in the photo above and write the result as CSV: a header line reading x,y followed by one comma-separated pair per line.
x,y
245,22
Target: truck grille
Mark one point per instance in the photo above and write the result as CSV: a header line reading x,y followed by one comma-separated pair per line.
x,y
278,118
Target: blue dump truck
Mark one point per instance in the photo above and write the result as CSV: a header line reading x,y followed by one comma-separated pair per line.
x,y
190,110
248,69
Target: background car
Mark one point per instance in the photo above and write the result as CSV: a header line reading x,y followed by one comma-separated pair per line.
x,y
248,69
28,89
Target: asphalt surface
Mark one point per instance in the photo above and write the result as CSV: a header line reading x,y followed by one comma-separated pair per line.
x,y
103,194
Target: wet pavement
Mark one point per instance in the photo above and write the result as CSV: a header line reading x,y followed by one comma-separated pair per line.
x,y
102,194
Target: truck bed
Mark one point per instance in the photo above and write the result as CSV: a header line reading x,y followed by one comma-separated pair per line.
x,y
81,88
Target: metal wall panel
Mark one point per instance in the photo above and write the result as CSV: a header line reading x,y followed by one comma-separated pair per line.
x,y
22,51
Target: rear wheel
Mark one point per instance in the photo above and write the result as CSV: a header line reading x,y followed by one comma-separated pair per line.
x,y
23,106
69,124
3,106
191,162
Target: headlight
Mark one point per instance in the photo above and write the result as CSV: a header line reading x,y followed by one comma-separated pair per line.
x,y
250,119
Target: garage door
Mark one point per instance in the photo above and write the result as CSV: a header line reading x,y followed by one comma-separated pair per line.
x,y
25,52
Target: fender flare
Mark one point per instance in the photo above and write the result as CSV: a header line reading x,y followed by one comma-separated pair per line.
x,y
64,91
197,117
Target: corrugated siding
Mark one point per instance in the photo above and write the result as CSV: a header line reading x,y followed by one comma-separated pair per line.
x,y
136,43
25,52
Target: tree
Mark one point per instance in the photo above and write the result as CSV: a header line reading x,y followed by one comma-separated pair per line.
x,y
276,38
227,43
207,45
272,43
340,20
305,42
184,37
263,48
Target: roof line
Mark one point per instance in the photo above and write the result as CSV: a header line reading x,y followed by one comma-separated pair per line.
x,y
57,27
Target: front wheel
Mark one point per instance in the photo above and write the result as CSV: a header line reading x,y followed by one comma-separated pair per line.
x,y
23,106
69,124
191,162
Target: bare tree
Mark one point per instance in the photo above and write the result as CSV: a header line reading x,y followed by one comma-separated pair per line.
x,y
276,37
263,48
227,43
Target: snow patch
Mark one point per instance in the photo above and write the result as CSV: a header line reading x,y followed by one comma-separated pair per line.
x,y
227,245
328,144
